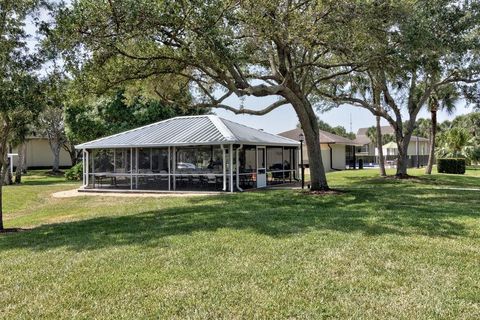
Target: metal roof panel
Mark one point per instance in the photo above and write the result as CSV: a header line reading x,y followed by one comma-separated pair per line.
x,y
188,130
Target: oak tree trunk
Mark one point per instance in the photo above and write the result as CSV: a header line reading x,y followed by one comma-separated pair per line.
x,y
72,152
1,207
402,159
3,156
55,146
309,124
433,135
73,158
7,174
383,173
21,162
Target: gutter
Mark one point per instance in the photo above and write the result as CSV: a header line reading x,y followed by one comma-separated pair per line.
x,y
331,158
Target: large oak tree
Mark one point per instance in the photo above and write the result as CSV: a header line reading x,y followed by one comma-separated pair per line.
x,y
220,48
421,47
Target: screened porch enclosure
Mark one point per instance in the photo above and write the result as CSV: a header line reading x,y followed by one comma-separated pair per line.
x,y
190,168
189,153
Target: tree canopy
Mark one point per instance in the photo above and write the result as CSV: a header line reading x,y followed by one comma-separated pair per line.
x,y
108,115
218,49
420,47
19,87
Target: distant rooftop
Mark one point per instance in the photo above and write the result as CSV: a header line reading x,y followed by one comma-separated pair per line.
x,y
188,130
362,137
325,137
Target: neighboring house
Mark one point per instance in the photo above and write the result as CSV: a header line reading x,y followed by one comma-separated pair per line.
x,y
367,148
38,154
337,151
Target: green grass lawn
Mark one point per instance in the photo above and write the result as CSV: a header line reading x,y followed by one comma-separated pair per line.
x,y
383,249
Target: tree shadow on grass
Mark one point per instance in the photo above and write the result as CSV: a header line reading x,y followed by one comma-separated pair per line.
x,y
46,182
371,212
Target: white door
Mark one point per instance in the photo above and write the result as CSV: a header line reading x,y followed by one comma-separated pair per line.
x,y
261,167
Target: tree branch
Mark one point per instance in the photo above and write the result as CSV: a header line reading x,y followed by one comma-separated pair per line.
x,y
261,112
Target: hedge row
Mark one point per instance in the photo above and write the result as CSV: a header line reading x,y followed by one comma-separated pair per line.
x,y
451,165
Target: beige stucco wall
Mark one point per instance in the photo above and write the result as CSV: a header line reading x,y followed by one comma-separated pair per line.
x,y
39,154
338,156
422,148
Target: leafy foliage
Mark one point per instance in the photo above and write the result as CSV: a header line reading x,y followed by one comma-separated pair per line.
x,y
460,137
423,50
75,173
451,165
19,89
338,130
217,49
110,115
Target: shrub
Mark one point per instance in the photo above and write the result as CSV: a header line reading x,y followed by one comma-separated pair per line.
x,y
75,173
451,165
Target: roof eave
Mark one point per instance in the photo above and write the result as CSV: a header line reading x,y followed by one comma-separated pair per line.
x,y
188,144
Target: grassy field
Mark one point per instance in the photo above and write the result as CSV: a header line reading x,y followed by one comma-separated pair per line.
x,y
382,249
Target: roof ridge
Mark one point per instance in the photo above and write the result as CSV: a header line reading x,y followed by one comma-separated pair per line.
x,y
224,130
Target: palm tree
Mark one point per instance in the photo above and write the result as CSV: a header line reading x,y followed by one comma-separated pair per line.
x,y
442,99
375,135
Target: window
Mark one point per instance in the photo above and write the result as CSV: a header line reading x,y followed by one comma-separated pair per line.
x,y
103,160
122,160
160,160
289,158
248,160
261,158
208,158
144,160
274,159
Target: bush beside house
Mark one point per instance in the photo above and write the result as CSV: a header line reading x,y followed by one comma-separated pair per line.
x,y
75,172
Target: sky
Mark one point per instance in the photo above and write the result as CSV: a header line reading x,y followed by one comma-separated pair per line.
x,y
285,118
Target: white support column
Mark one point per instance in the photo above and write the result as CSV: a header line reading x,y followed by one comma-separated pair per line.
x,y
224,168
93,168
87,166
231,167
83,166
169,170
131,168
151,164
174,167
237,167
136,168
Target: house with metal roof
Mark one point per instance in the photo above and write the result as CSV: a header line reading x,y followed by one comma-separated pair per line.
x,y
338,152
190,153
